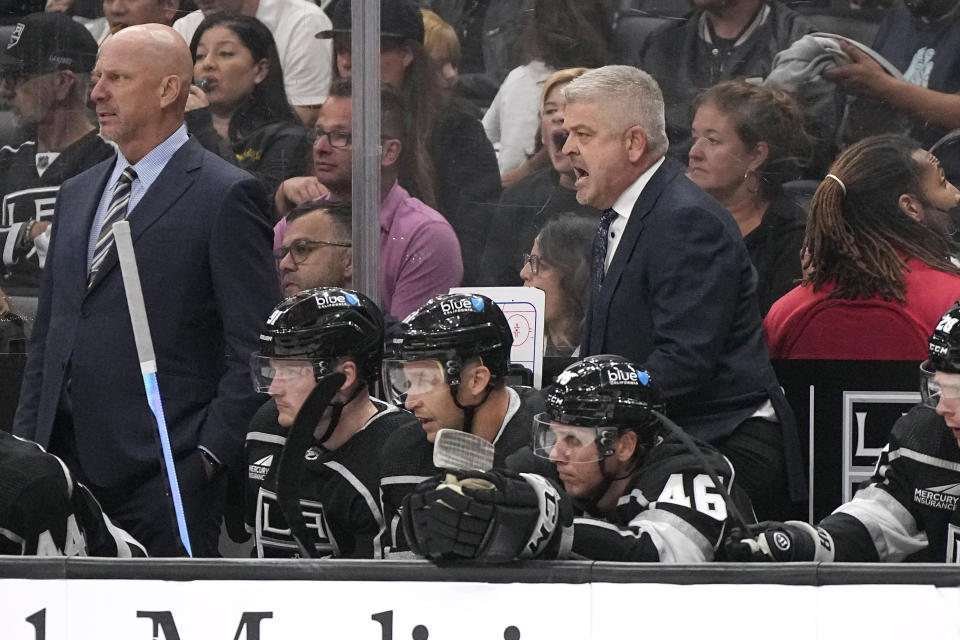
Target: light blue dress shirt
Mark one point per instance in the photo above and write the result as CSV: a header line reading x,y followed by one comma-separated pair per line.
x,y
148,170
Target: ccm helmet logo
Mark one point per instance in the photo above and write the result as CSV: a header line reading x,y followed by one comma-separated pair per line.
x,y
462,304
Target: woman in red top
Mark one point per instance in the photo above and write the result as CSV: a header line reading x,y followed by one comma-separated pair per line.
x,y
877,246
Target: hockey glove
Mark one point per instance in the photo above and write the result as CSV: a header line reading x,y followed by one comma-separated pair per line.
x,y
791,541
496,516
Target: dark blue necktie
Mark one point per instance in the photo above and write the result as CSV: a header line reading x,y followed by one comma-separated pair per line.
x,y
599,254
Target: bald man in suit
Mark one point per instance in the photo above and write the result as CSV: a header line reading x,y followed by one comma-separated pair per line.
x,y
202,239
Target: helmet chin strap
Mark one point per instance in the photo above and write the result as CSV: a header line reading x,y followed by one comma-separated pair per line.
x,y
468,410
609,478
337,410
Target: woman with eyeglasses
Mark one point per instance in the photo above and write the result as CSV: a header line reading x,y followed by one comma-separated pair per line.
x,y
559,265
238,108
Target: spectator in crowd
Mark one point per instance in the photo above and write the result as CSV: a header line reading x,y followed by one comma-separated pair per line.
x,y
118,14
12,337
747,141
922,39
203,249
317,249
451,166
527,205
672,285
44,79
242,103
44,511
559,265
877,230
490,35
563,34
905,512
632,481
719,40
293,23
419,253
447,365
308,336
442,45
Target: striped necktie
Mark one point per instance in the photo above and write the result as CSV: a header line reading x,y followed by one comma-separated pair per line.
x,y
115,212
599,252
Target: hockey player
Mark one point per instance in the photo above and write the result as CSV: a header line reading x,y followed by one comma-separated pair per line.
x,y
45,72
45,512
908,509
308,335
646,494
447,365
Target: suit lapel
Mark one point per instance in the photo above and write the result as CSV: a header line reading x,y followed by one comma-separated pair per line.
x,y
169,186
635,224
76,218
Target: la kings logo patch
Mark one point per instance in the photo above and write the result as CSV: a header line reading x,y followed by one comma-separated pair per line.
x,y
259,469
15,36
943,497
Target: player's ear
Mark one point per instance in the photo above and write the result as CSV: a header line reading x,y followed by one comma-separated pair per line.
x,y
626,446
478,377
349,369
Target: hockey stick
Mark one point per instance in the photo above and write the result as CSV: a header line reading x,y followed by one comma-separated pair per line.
x,y
290,465
455,450
148,365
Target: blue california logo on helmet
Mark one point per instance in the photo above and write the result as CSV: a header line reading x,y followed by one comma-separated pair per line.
x,y
644,377
458,304
617,375
335,298
477,303
352,299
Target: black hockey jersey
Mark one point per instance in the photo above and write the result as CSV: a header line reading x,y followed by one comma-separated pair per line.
x,y
672,511
338,488
44,512
28,195
908,509
408,458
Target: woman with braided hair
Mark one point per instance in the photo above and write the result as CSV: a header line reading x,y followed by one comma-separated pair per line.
x,y
878,230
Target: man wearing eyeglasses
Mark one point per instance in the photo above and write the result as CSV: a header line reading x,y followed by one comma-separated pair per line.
x,y
317,249
908,510
419,252
44,78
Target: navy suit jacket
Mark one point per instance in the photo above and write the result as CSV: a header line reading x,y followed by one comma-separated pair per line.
x,y
680,298
202,241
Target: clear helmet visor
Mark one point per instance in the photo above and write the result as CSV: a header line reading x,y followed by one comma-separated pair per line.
x,y
937,384
403,378
929,389
567,443
264,370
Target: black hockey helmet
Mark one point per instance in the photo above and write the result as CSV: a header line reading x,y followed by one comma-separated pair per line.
x,y
452,328
604,393
319,326
943,354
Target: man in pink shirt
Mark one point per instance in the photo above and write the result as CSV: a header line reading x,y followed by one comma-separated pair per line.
x,y
419,252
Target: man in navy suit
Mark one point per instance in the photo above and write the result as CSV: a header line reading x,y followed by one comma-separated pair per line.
x,y
202,240
673,286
